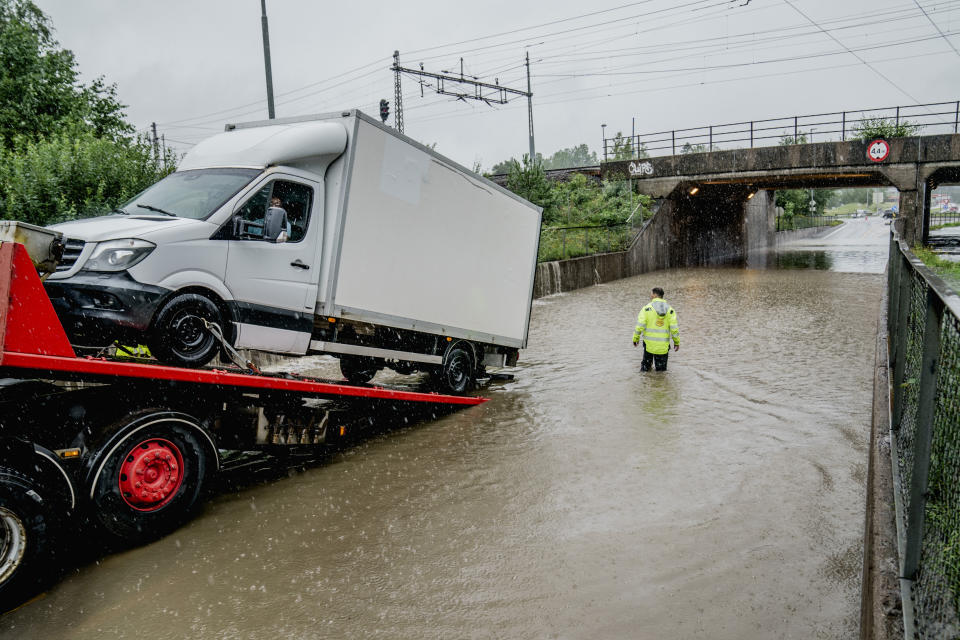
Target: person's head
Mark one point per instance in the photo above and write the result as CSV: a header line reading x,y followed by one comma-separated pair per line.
x,y
657,292
276,202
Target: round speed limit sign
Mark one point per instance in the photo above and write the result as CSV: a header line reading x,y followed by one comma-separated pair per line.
x,y
878,150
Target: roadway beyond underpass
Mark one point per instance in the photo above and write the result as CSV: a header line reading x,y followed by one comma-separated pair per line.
x,y
723,499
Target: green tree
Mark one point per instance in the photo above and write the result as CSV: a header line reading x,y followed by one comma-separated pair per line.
x,y
786,141
873,128
67,176
796,202
528,180
578,156
40,90
623,149
692,148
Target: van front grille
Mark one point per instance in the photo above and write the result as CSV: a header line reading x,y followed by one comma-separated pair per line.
x,y
71,251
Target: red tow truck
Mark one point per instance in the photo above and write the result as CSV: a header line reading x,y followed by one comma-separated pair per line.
x,y
127,447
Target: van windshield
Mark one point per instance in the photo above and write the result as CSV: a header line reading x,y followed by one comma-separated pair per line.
x,y
190,194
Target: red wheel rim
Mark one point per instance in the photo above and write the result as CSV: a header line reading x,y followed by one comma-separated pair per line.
x,y
151,474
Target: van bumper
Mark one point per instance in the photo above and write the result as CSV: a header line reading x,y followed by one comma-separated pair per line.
x,y
97,308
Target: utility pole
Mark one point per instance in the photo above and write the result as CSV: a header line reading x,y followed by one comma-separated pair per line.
x,y
533,153
266,59
398,94
156,149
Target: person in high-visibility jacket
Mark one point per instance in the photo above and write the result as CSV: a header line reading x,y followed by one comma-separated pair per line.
x,y
657,325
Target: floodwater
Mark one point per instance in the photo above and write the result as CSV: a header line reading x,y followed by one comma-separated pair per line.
x,y
721,499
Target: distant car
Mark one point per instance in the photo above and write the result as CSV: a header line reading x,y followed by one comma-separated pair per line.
x,y
888,214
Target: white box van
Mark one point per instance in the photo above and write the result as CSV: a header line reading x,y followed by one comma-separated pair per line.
x,y
330,234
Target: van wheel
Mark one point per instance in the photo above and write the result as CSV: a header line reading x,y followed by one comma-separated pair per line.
x,y
149,482
179,336
26,528
358,369
457,374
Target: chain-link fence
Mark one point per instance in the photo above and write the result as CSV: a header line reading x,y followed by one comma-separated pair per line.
x,y
924,326
560,243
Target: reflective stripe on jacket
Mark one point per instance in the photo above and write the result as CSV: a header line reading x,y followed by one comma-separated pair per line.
x,y
657,324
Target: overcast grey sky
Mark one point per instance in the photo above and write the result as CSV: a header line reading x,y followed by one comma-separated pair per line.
x,y
193,65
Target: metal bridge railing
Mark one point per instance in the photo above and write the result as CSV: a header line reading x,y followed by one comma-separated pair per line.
x,y
924,329
932,118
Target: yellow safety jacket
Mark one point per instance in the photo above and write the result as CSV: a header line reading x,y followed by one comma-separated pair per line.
x,y
657,323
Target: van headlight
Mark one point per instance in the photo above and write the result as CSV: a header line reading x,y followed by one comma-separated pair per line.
x,y
118,255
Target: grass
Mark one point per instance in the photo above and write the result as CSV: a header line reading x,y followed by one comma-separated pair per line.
x,y
944,226
946,269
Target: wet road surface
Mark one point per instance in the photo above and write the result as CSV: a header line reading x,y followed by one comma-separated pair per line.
x,y
722,499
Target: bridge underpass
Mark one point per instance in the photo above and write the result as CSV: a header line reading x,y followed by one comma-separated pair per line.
x,y
718,205
723,499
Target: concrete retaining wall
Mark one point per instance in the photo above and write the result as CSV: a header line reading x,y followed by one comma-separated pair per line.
x,y
685,231
784,237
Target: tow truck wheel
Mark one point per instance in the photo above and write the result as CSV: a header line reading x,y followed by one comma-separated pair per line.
x,y
179,336
149,483
358,369
25,531
458,372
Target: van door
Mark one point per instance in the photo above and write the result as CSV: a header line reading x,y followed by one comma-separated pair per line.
x,y
274,284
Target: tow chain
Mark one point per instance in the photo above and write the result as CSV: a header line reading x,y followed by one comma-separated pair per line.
x,y
237,359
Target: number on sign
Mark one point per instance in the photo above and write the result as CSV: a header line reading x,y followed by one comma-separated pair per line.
x,y
878,150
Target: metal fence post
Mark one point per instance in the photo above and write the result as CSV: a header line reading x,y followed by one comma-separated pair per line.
x,y
843,127
751,134
903,316
795,131
563,241
711,137
921,452
897,121
956,117
673,141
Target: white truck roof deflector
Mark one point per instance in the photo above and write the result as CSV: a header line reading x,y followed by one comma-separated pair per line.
x,y
262,147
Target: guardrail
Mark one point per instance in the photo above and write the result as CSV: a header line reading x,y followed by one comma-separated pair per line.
x,y
924,352
932,118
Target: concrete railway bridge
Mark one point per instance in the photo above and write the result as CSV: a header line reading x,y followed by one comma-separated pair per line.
x,y
719,205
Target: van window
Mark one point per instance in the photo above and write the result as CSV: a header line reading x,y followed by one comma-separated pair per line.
x,y
292,197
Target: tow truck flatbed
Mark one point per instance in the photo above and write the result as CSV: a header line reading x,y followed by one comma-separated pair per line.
x,y
129,453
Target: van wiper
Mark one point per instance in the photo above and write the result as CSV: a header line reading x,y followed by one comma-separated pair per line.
x,y
157,209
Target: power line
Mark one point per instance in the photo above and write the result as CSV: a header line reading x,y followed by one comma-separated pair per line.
x,y
739,64
936,27
868,65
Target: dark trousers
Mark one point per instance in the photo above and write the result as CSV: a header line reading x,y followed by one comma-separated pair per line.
x,y
659,360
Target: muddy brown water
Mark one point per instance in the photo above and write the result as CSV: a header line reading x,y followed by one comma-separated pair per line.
x,y
722,499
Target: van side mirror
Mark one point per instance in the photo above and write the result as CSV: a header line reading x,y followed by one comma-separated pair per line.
x,y
274,223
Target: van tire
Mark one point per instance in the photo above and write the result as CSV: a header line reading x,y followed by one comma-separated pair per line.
x,y
358,369
178,336
458,373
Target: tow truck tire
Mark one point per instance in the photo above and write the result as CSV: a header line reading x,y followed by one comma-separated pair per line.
x,y
358,369
179,337
26,529
150,482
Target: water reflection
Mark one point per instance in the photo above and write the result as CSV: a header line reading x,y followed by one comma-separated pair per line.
x,y
804,260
